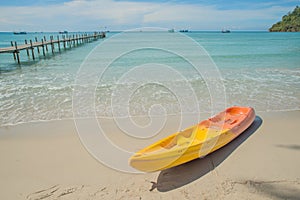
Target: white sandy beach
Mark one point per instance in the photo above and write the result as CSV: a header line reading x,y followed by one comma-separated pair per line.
x,y
46,160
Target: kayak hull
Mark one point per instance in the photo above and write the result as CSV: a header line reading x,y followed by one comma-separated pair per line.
x,y
194,142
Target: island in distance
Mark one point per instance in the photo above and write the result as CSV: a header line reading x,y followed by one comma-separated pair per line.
x,y
289,22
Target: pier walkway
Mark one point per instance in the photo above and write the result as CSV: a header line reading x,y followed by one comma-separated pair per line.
x,y
68,41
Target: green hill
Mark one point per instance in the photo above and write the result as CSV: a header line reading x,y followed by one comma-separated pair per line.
x,y
289,22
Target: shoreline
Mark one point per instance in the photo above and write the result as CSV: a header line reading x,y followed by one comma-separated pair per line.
x,y
46,160
203,115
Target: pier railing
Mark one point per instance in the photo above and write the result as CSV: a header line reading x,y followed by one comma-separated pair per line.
x,y
68,41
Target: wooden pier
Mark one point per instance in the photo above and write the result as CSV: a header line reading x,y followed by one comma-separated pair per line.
x,y
68,41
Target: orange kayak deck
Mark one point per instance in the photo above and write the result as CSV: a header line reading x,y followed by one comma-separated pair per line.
x,y
194,142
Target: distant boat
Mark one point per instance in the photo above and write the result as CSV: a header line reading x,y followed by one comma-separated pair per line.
x,y
226,31
63,32
171,30
20,33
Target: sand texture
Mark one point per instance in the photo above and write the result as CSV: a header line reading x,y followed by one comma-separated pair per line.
x,y
46,160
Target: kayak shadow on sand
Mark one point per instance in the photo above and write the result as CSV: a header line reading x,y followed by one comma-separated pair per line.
x,y
184,174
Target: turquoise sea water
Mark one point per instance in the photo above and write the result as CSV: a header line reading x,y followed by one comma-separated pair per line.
x,y
258,69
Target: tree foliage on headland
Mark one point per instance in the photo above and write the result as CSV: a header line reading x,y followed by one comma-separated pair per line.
x,y
289,23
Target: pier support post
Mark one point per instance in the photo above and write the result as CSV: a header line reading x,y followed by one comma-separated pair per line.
x,y
64,40
36,40
17,53
69,41
43,46
12,44
27,48
52,45
32,50
58,43
45,43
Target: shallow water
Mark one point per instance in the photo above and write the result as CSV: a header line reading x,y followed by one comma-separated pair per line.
x,y
258,69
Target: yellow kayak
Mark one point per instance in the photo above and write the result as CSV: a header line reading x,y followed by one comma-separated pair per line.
x,y
194,142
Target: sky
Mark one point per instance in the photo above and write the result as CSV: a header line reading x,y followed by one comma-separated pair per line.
x,y
97,15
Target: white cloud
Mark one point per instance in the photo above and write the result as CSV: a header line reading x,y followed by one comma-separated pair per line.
x,y
91,14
